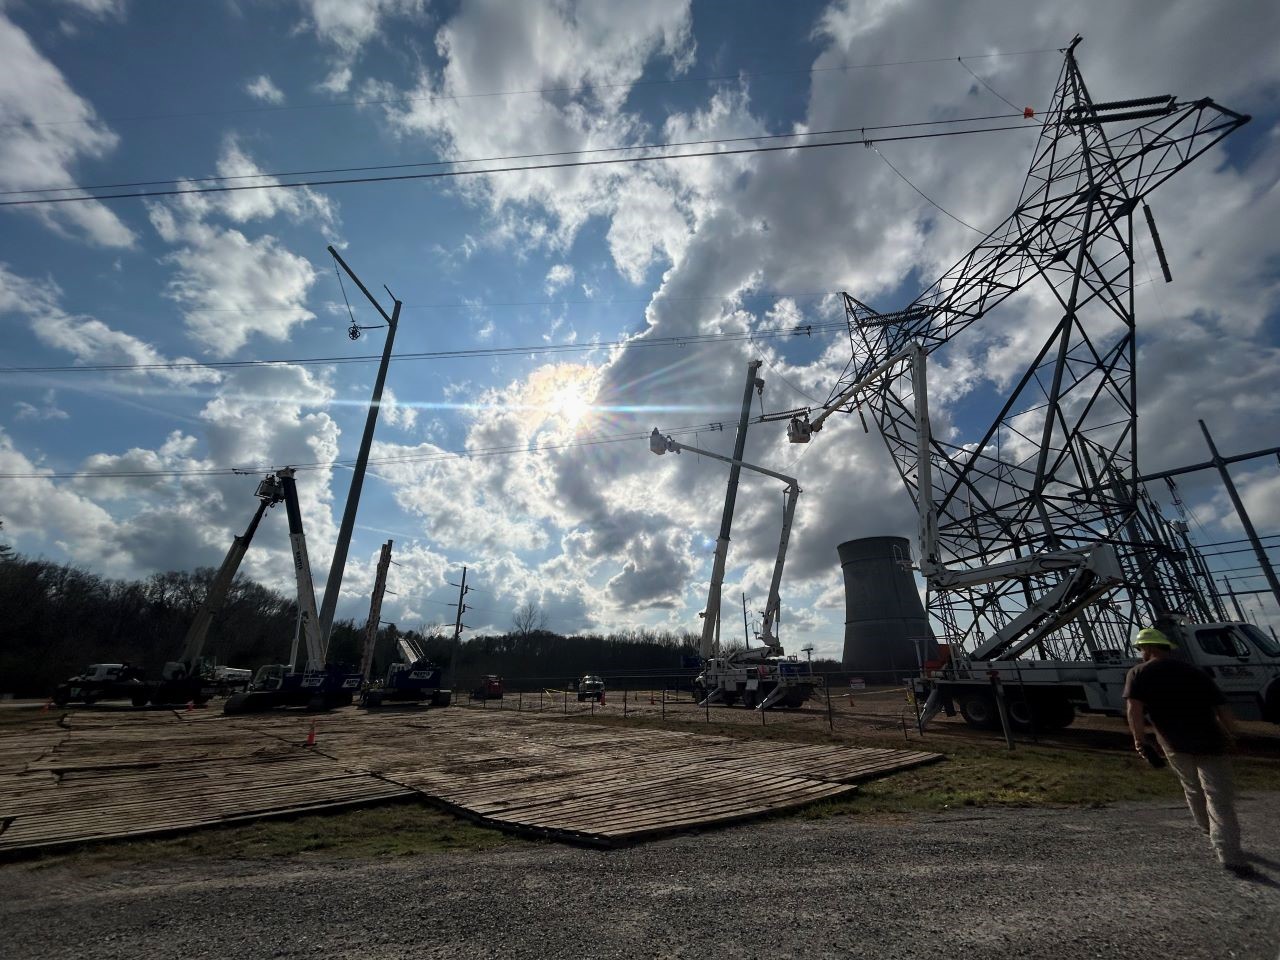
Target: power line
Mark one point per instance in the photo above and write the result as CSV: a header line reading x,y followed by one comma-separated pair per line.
x,y
903,177
993,90
688,340
448,174
227,178
556,302
711,78
483,453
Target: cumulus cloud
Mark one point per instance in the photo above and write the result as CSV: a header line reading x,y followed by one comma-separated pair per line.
x,y
233,287
49,128
99,8
558,277
263,88
396,414
348,25
585,53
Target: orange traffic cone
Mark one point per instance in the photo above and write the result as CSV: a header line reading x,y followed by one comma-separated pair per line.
x,y
311,735
191,706
47,704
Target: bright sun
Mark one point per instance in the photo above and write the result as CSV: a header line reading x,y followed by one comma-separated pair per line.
x,y
570,403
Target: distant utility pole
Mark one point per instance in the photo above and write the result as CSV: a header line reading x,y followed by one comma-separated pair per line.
x,y
463,590
334,581
375,611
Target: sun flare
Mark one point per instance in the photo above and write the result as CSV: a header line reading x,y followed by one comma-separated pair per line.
x,y
570,403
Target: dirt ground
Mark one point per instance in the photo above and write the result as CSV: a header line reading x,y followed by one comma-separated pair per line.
x,y
871,877
1132,881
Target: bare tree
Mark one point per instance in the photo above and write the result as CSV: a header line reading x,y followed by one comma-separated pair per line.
x,y
528,619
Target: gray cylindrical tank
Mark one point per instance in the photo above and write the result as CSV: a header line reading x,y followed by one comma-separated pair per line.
x,y
885,623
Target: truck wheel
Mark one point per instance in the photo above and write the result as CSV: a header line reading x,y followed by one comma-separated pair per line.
x,y
61,698
699,693
749,700
90,699
979,711
139,699
1023,715
1270,704
1055,714
729,699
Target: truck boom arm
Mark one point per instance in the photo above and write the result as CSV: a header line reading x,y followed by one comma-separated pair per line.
x,y
268,496
663,444
310,621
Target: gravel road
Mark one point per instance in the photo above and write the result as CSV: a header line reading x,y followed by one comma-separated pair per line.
x,y
1132,881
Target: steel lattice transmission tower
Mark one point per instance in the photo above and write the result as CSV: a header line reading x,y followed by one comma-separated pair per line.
x,y
1055,472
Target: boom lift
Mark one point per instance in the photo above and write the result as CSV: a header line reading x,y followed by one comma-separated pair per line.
x,y
319,686
1039,537
758,676
188,679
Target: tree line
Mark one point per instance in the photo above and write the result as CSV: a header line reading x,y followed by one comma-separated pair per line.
x,y
56,619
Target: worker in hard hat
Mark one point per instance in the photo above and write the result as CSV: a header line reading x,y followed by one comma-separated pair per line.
x,y
1194,728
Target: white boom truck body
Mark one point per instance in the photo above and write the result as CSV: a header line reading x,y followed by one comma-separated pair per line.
x,y
1242,660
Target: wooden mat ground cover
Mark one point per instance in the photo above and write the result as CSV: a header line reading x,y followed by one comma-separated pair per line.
x,y
99,776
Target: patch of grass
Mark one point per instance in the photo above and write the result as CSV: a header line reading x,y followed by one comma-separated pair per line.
x,y
389,830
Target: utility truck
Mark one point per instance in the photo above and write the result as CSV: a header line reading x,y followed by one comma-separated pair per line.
x,y
758,677
102,681
320,685
1046,694
190,678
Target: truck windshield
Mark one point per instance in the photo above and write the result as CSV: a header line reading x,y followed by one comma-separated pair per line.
x,y
1260,640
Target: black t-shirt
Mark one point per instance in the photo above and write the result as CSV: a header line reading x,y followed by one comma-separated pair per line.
x,y
1180,700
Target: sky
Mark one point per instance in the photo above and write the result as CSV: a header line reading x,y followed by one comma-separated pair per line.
x,y
526,461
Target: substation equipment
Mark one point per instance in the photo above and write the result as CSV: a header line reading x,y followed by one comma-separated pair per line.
x,y
1041,551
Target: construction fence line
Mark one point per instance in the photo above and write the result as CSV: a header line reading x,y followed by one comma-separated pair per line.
x,y
846,701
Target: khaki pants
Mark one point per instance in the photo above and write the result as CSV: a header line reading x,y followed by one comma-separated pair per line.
x,y
1211,795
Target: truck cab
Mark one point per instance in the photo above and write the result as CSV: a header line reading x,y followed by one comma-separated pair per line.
x,y
1243,660
100,681
591,687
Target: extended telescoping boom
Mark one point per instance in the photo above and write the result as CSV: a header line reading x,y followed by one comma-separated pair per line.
x,y
319,685
662,444
758,676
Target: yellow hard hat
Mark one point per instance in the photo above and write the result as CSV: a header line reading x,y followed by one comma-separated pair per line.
x,y
1151,637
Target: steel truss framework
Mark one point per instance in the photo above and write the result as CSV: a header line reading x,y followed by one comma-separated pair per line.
x,y
1056,469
